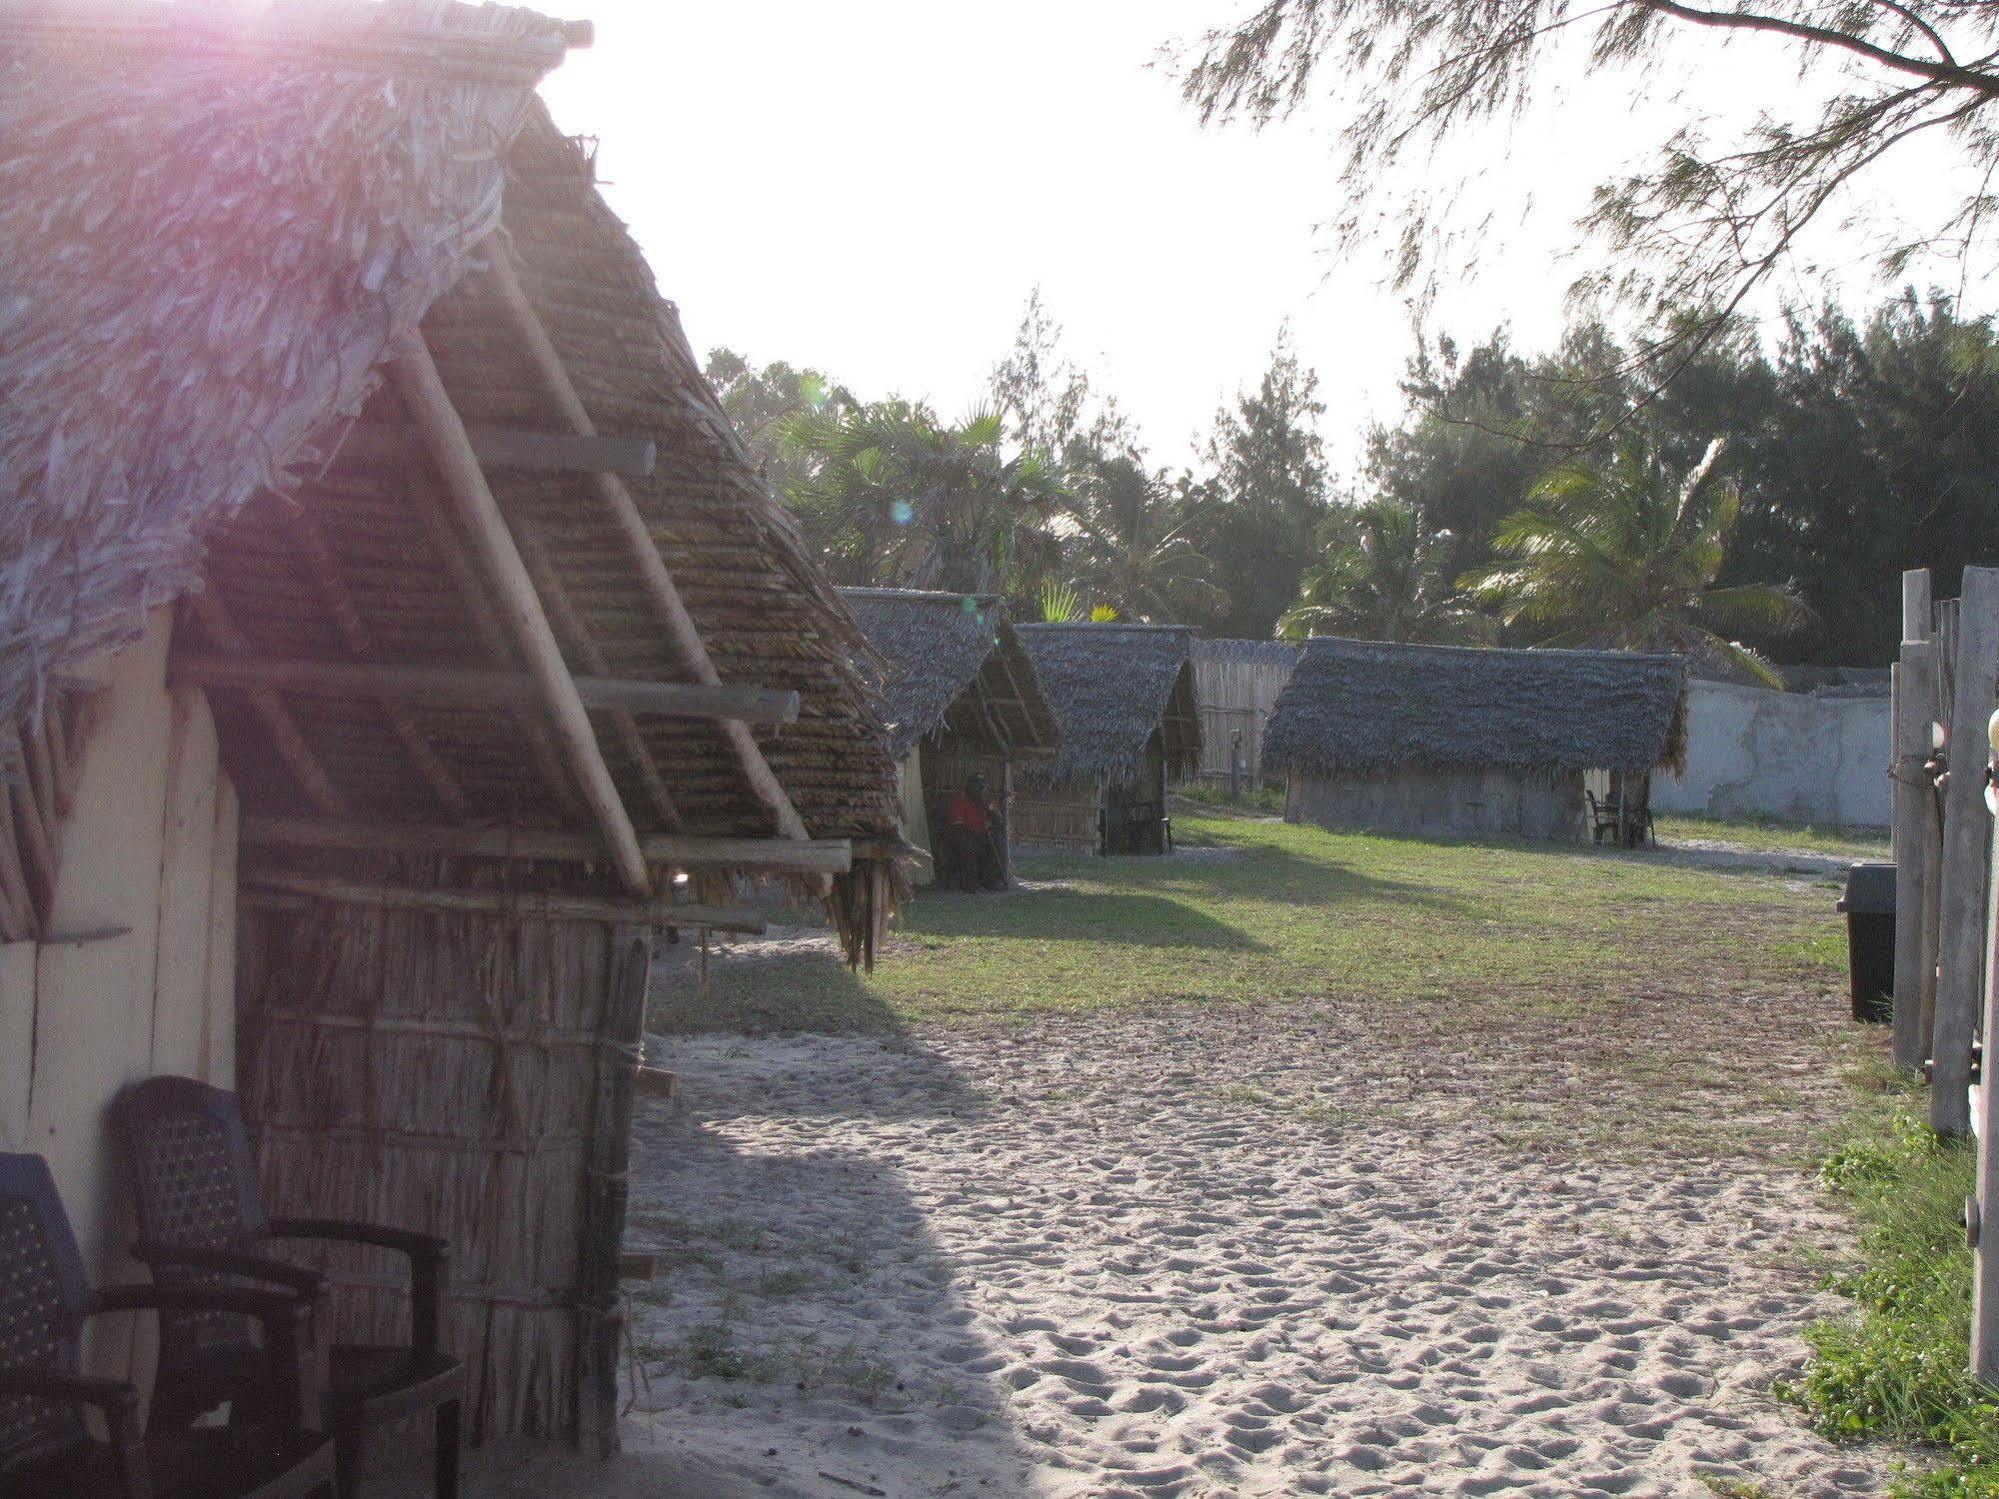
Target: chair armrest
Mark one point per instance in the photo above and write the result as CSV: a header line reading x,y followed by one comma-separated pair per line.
x,y
117,1399
286,1318
429,1257
298,1278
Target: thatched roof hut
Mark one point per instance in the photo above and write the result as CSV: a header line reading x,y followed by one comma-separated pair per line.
x,y
953,664
1420,737
1124,706
362,506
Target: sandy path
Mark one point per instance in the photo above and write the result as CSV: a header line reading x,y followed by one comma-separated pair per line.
x,y
1195,1253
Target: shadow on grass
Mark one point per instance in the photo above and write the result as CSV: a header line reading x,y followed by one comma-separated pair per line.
x,y
1117,918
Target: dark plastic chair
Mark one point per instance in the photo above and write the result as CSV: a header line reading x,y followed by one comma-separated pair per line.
x,y
201,1219
46,1449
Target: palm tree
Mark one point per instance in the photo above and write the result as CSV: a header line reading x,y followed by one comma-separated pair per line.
x,y
1624,553
1131,550
1385,576
893,496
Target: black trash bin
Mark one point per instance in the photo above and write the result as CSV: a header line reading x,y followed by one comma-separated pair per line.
x,y
1869,904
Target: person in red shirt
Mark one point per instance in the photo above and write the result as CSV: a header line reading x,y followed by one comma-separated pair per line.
x,y
972,830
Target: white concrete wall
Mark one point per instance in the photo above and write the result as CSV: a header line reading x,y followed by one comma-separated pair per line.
x,y
1752,752
138,974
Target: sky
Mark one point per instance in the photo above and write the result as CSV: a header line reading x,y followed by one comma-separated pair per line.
x,y
873,189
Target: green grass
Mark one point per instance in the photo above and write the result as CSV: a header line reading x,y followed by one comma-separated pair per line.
x,y
1288,913
1895,1367
1253,800
1768,834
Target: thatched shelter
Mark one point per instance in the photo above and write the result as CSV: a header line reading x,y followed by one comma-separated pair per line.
x,y
959,694
393,639
1125,710
1462,740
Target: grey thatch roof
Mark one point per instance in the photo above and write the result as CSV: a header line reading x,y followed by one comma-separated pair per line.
x,y
1362,707
219,225
1112,686
942,652
1248,652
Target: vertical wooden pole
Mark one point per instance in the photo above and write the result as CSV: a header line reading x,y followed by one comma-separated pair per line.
x,y
606,1162
1966,825
1915,709
1985,1259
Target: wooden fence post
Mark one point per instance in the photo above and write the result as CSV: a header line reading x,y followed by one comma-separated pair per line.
x,y
1985,1260
1966,823
1915,709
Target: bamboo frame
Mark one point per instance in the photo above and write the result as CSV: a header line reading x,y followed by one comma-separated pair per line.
x,y
778,855
278,722
422,389
325,570
660,587
471,687
527,905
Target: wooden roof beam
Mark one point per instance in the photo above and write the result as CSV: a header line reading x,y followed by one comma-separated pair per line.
x,y
422,390
286,736
325,570
617,500
777,855
473,687
576,640
388,445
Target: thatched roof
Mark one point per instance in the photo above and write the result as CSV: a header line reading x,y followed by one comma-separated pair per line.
x,y
1281,653
215,239
953,662
1112,687
1358,707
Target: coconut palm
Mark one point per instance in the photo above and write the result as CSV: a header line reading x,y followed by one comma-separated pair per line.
x,y
1623,552
1384,576
1131,548
893,496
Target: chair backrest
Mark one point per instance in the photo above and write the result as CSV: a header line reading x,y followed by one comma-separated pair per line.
x,y
192,1177
194,1186
42,1290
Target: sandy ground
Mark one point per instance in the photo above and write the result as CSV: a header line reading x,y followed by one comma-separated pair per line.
x,y
1197,1252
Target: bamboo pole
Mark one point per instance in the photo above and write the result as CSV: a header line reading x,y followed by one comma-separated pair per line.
x,y
527,905
1966,826
617,500
278,722
422,389
1914,710
684,850
472,687
1985,1246
354,632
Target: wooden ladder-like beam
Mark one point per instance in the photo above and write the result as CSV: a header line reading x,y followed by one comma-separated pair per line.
x,y
355,635
429,403
661,590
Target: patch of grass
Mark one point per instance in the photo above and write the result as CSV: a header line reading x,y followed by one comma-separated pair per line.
x,y
1253,801
1769,834
1895,1367
783,1283
1303,914
710,1351
1733,1488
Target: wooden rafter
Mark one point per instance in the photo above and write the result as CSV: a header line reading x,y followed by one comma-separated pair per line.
x,y
375,444
576,640
781,855
523,903
422,390
661,590
354,633
286,736
472,687
492,636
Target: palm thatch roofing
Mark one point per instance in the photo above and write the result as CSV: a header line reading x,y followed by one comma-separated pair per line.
x,y
1114,686
220,233
953,662
1358,707
1278,653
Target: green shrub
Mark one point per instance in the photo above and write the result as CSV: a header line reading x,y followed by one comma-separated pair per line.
x,y
1896,1368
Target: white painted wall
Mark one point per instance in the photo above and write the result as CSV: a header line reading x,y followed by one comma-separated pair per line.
x,y
145,982
1797,756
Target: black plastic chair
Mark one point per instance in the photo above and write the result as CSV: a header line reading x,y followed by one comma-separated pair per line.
x,y
201,1219
46,1449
